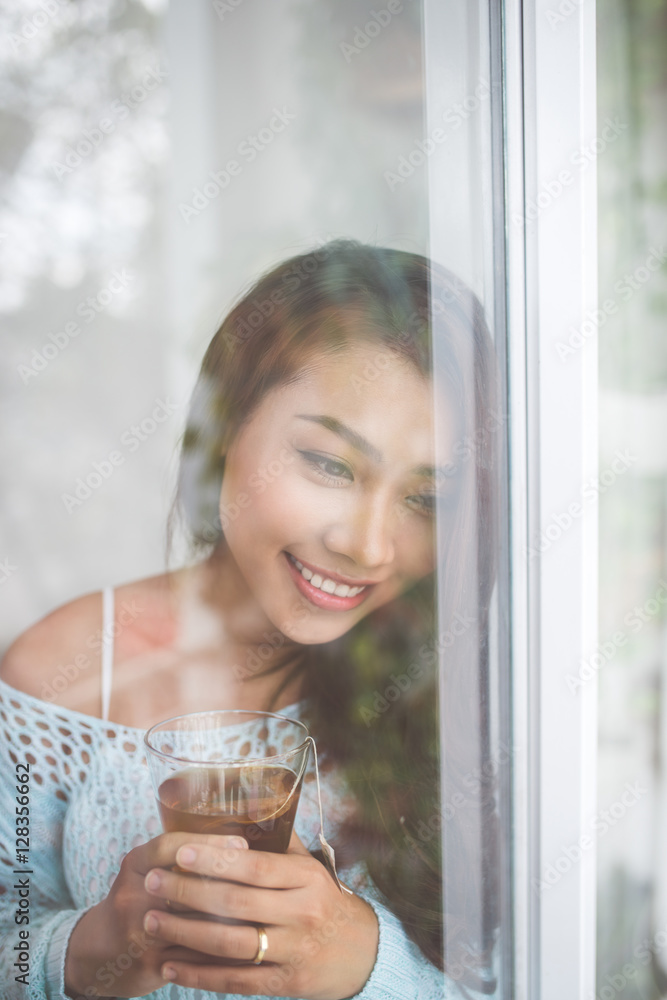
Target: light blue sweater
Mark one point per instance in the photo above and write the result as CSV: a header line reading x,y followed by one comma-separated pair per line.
x,y
91,801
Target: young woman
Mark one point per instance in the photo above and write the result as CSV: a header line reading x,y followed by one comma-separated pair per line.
x,y
309,488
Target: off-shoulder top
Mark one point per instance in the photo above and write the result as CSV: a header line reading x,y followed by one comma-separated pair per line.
x,y
90,802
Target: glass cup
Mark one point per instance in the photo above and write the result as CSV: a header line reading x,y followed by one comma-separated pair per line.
x,y
219,772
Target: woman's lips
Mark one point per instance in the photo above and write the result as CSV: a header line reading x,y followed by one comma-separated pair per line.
x,y
322,599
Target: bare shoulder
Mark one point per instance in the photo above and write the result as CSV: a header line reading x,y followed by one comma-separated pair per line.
x,y
58,659
58,645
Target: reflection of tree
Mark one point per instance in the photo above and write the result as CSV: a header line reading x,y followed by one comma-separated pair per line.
x,y
365,109
63,75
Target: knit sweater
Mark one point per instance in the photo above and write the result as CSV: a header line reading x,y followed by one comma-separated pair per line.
x,y
91,801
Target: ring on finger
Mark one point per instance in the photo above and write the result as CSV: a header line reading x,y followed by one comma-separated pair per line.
x,y
262,945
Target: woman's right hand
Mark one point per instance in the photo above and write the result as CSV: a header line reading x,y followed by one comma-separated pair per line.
x,y
109,952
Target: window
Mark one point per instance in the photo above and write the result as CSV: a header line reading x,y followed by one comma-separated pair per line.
x,y
159,158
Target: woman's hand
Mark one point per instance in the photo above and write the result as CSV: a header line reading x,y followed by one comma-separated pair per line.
x,y
109,950
322,943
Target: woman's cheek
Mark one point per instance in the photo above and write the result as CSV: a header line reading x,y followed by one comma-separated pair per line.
x,y
417,548
287,507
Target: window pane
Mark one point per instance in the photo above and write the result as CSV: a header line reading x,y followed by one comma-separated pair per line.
x,y
464,116
219,441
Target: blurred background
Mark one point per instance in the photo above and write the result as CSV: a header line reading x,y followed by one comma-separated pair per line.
x,y
155,158
117,116
632,672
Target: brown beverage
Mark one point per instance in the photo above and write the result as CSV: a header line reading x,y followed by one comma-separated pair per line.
x,y
245,800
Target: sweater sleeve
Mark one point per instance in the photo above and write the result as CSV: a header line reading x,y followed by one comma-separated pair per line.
x,y
401,971
37,913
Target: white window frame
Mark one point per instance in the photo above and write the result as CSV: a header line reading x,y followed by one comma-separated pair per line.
x,y
552,279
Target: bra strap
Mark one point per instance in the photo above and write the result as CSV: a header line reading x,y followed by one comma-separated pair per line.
x,y
107,648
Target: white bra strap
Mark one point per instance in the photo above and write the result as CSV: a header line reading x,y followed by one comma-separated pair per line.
x,y
107,648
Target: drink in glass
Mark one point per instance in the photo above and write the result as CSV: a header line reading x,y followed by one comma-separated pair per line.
x,y
219,772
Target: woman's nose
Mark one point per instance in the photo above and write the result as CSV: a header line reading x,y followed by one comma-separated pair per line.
x,y
365,536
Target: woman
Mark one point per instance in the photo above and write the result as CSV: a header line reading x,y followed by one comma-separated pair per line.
x,y
309,485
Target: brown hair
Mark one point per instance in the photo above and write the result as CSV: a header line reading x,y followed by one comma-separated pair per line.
x,y
387,746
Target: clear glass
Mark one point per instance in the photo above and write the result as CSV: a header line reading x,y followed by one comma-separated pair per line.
x,y
160,157
204,783
464,121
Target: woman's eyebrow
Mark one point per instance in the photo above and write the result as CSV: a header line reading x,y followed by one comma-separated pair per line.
x,y
438,472
356,440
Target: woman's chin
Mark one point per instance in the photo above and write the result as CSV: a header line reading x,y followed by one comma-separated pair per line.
x,y
310,632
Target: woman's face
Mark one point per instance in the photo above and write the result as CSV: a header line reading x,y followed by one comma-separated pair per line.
x,y
328,492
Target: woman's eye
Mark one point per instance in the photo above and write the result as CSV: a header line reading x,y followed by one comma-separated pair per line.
x,y
328,468
424,503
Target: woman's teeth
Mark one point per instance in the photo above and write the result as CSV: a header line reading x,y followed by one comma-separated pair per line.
x,y
323,583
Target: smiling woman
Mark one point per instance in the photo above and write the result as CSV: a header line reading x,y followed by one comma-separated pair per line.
x,y
310,486
348,523
337,378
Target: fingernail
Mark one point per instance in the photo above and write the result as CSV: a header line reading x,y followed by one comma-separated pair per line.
x,y
186,855
168,972
151,923
238,843
152,881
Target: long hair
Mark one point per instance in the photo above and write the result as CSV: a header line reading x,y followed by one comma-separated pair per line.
x,y
372,694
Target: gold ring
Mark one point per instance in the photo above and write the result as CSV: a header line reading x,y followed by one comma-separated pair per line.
x,y
262,945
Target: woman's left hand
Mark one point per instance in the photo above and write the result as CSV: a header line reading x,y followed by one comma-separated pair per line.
x,y
322,943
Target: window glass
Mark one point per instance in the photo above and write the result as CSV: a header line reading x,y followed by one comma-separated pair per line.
x,y
253,287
